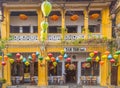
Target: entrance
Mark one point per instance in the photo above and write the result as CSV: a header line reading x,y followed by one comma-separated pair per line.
x,y
71,72
22,74
114,75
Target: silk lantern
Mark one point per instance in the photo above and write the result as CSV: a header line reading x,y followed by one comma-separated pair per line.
x,y
27,63
44,25
11,61
60,57
5,58
101,62
0,57
46,8
33,55
3,63
50,55
18,55
9,55
91,54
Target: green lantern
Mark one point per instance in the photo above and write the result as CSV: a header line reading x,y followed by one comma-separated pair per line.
x,y
46,8
40,58
9,55
89,59
30,58
44,25
117,52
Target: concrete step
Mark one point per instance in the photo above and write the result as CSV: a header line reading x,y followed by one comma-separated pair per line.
x,y
92,86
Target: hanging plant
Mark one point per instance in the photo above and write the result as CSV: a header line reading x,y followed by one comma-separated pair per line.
x,y
94,16
74,17
54,17
23,17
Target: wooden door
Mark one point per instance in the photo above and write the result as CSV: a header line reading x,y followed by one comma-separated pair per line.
x,y
114,75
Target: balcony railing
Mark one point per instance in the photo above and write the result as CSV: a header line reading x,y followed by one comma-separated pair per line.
x,y
24,36
52,37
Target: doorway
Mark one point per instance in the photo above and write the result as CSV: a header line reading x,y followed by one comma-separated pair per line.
x,y
71,72
114,75
22,74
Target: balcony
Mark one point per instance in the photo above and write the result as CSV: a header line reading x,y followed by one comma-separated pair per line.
x,y
24,36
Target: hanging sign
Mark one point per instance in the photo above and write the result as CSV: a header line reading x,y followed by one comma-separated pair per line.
x,y
74,49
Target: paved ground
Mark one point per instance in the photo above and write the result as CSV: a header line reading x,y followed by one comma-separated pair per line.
x,y
61,86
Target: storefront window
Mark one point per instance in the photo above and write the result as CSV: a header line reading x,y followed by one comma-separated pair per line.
x,y
89,68
55,71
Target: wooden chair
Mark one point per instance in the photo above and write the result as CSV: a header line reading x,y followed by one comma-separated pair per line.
x,y
82,80
88,80
32,79
94,80
61,80
55,80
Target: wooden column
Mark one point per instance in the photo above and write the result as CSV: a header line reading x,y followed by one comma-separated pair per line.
x,y
63,24
106,23
86,14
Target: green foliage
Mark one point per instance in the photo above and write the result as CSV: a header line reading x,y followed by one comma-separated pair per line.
x,y
2,80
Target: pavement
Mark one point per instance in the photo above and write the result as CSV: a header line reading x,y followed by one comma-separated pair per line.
x,y
62,86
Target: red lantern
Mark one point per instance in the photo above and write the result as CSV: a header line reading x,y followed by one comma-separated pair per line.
x,y
101,62
53,59
33,55
95,52
60,57
18,55
3,63
112,61
5,58
68,59
50,55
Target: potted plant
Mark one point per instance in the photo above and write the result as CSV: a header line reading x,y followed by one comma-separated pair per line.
x,y
2,81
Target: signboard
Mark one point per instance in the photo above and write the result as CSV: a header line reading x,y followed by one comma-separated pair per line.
x,y
74,49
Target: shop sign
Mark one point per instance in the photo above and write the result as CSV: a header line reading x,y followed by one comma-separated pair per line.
x,y
74,49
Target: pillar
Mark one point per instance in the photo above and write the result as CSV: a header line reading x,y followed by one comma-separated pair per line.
x,y
40,18
63,24
106,23
42,70
118,82
86,14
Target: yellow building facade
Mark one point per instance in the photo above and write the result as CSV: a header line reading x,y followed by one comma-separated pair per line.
x,y
27,39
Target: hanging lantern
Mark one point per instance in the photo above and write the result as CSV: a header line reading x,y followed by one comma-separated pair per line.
x,y
40,58
3,63
44,25
62,52
87,65
54,64
107,52
57,59
54,17
37,53
72,67
112,61
115,56
46,8
53,59
97,59
27,63
74,17
21,57
9,55
68,59
18,55
67,65
91,54
50,55
110,56
5,58
33,55
101,62
11,61
30,58
104,57
94,16
95,52
23,17
0,57
47,58
24,60
60,57
65,55
117,52
89,59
